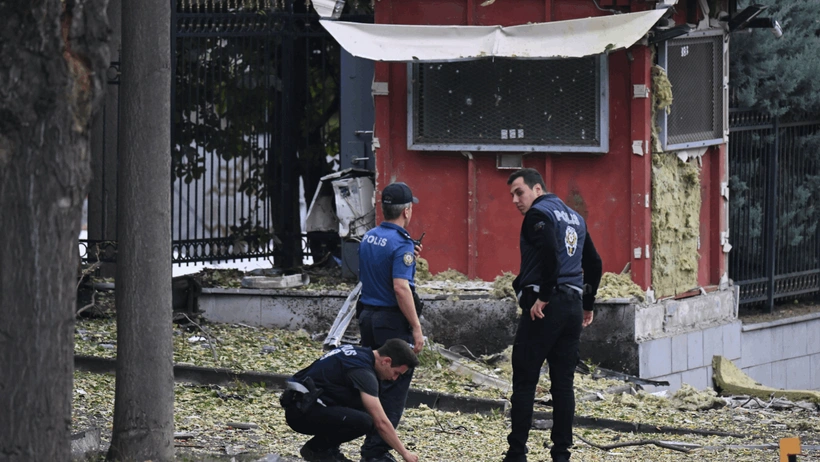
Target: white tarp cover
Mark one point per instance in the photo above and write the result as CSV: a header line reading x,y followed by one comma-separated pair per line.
x,y
559,39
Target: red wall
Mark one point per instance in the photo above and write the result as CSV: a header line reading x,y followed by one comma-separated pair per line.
x,y
465,206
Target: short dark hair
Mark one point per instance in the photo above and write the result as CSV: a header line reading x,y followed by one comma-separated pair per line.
x,y
399,353
391,212
531,178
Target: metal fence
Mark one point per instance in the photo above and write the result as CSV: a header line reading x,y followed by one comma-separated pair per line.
x,y
774,186
255,125
254,109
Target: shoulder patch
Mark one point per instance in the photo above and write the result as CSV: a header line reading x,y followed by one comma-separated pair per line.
x,y
539,226
408,258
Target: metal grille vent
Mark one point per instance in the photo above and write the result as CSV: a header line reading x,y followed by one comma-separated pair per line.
x,y
695,66
509,105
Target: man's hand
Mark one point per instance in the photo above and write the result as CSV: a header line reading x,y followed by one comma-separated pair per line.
x,y
417,249
418,340
537,310
410,457
588,315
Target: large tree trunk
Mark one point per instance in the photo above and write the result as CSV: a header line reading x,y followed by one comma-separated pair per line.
x,y
50,68
144,398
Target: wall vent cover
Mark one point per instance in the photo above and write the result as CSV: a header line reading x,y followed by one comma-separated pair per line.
x,y
509,105
697,67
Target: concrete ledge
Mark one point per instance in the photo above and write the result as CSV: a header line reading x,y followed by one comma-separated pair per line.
x,y
780,322
482,323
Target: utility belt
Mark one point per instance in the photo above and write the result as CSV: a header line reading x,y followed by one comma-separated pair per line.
x,y
567,289
301,396
419,304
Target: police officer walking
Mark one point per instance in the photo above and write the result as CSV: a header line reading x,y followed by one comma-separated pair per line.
x,y
387,268
336,399
558,259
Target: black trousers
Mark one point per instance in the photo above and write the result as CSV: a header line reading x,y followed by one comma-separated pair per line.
x,y
377,327
331,426
554,338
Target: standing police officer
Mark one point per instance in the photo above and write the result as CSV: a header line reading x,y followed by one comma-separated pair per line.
x,y
558,259
336,399
387,268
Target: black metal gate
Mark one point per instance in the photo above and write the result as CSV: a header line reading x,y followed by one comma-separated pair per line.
x,y
773,216
254,108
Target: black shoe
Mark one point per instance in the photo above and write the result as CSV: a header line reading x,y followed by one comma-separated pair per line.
x,y
327,455
386,457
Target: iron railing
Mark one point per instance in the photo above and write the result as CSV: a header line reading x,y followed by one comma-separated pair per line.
x,y
255,125
774,186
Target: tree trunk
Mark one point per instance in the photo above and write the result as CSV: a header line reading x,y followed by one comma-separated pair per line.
x,y
52,54
144,398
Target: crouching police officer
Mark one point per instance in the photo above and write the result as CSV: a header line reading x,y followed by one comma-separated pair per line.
x,y
387,269
336,399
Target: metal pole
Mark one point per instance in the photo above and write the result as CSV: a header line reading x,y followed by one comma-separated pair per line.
x,y
771,218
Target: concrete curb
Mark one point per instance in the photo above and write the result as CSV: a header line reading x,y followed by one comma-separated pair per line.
x,y
217,376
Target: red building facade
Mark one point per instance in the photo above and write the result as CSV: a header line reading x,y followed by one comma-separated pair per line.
x,y
465,206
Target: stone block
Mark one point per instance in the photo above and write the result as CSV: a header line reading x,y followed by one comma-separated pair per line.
x,y
812,337
731,340
680,354
798,373
762,374
756,347
779,375
691,313
696,378
794,340
228,308
712,343
656,357
649,322
694,348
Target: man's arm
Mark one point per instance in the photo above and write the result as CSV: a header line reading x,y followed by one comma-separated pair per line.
x,y
405,298
593,269
539,231
374,407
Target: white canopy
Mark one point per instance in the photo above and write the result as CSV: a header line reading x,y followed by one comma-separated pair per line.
x,y
559,39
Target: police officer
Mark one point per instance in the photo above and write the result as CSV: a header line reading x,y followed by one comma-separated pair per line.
x,y
558,259
336,399
387,267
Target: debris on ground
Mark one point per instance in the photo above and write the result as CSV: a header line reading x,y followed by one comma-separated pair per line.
x,y
619,286
502,286
212,417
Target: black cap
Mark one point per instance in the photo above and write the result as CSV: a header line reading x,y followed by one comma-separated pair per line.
x,y
397,194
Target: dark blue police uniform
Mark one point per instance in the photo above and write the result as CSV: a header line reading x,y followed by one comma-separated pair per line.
x,y
558,259
386,252
338,415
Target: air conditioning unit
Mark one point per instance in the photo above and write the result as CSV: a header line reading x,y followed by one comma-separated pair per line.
x,y
697,65
558,105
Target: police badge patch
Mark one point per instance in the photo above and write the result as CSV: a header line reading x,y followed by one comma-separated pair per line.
x,y
571,240
408,258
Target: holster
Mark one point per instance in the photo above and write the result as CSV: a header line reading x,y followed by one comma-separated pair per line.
x,y
287,398
302,400
418,303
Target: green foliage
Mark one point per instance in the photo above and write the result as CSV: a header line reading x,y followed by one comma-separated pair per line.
x,y
779,75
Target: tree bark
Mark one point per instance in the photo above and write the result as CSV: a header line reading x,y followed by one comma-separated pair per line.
x,y
144,397
52,54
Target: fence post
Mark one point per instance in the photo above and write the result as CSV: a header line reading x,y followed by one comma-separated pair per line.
x,y
771,217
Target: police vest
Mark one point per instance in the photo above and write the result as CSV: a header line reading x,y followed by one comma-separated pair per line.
x,y
330,374
385,253
570,234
